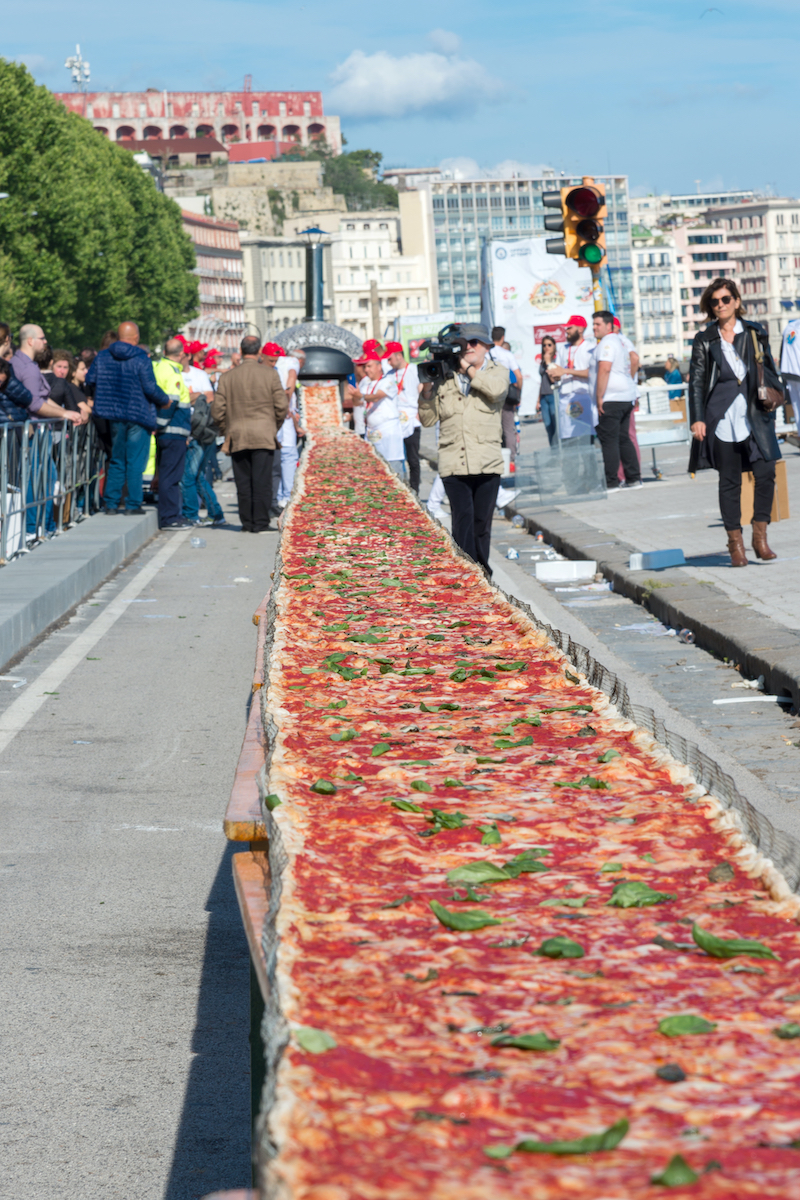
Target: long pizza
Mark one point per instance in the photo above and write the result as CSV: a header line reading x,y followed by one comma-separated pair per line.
x,y
515,950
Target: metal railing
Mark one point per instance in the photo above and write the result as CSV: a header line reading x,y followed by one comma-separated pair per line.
x,y
50,478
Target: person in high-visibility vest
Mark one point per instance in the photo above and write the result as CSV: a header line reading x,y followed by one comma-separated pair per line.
x,y
172,436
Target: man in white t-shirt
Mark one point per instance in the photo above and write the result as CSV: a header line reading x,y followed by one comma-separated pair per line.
x,y
615,396
504,358
408,388
288,368
634,356
384,431
790,366
577,412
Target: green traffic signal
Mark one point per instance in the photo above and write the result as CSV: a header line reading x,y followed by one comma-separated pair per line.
x,y
592,253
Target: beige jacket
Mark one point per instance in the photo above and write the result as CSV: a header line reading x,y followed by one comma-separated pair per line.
x,y
250,406
470,429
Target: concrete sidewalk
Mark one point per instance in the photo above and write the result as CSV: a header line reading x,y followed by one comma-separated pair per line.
x,y
750,615
41,587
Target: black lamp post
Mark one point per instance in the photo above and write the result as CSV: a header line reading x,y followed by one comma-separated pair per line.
x,y
315,249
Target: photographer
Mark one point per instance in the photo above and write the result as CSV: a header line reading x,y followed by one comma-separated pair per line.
x,y
467,401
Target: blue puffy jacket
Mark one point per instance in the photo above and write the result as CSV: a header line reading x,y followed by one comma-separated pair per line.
x,y
15,399
125,387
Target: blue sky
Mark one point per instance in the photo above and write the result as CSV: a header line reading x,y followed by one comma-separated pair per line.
x,y
667,93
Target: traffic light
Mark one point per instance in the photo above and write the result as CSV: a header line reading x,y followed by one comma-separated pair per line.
x,y
583,210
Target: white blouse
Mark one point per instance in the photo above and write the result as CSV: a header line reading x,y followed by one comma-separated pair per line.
x,y
735,425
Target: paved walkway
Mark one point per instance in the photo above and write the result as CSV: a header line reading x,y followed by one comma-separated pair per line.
x,y
125,988
678,511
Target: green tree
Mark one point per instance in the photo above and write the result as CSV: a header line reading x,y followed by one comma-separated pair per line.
x,y
351,174
87,240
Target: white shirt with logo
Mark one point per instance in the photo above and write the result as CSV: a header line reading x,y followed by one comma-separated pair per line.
x,y
196,380
384,430
504,357
620,388
790,350
407,381
577,409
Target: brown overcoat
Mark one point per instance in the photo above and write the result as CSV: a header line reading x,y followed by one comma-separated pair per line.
x,y
250,406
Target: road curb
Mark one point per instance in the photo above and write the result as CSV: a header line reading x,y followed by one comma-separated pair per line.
x,y
757,643
40,588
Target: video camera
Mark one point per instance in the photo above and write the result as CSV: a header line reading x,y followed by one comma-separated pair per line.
x,y
446,350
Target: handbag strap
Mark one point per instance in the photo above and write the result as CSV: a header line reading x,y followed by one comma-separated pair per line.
x,y
759,352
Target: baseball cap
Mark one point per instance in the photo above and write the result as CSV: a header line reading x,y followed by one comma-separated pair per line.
x,y
393,348
616,323
370,356
580,322
372,344
272,350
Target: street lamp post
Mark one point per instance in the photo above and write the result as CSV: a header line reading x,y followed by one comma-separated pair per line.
x,y
315,249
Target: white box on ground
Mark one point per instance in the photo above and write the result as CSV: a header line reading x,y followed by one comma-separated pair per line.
x,y
656,560
561,572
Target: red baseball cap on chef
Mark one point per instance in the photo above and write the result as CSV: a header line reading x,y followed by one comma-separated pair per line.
x,y
616,323
579,322
372,345
393,348
272,350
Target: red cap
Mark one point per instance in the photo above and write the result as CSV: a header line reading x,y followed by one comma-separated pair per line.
x,y
393,348
359,362
211,360
580,322
372,345
616,323
273,350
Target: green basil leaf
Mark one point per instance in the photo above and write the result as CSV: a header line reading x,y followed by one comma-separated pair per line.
x,y
324,787
512,666
351,778
421,785
722,873
607,756
379,749
685,1023
314,1041
526,1041
446,820
498,1151
434,637
729,947
676,1173
339,627
565,902
478,871
560,947
491,835
272,801
367,638
345,735
450,782
789,1030
609,868
462,921
483,759
525,863
587,731
337,704
505,744
608,1139
459,675
397,903
633,893
407,806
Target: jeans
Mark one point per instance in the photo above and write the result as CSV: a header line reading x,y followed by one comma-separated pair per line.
x,y
171,461
615,442
42,474
411,444
252,473
195,480
548,407
733,458
289,460
472,501
130,446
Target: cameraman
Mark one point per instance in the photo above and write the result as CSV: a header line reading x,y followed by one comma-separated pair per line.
x,y
468,406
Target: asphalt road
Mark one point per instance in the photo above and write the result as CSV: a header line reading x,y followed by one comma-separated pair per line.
x,y
125,987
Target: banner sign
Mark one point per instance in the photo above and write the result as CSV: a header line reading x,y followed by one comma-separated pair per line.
x,y
533,294
411,331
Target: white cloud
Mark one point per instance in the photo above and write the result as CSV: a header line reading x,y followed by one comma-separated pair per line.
x,y
468,168
445,41
381,85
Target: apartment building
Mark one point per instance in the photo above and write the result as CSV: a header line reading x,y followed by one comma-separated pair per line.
x,y
368,250
221,320
463,215
275,282
656,296
673,208
764,241
703,252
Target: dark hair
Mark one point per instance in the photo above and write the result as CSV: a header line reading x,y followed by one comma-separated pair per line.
x,y
250,345
88,355
5,333
43,358
715,285
108,338
604,316
498,333
64,356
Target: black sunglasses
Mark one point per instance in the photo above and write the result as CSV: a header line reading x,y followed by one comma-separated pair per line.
x,y
715,300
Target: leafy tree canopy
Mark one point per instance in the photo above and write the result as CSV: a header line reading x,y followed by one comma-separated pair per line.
x,y
86,240
350,174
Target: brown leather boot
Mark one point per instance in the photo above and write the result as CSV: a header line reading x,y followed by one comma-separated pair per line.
x,y
760,544
736,548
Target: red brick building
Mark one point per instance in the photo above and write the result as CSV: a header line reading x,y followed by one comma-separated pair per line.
x,y
245,116
221,322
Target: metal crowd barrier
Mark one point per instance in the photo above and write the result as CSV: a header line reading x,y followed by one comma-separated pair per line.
x,y
50,478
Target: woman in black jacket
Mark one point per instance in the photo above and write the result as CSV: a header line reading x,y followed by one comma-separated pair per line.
x,y
732,432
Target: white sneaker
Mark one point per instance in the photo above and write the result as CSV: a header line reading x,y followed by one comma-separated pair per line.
x,y
436,513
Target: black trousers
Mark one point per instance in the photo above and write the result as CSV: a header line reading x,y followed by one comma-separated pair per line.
x,y
616,444
472,500
171,462
732,459
252,474
411,444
